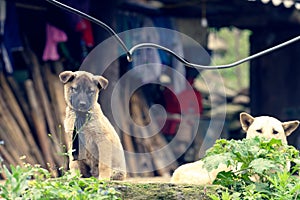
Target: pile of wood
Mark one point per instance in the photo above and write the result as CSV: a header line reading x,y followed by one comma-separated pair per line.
x,y
31,116
151,153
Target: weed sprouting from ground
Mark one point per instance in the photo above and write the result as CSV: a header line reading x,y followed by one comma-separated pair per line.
x,y
34,182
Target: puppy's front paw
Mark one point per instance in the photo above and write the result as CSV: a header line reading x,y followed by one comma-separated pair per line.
x,y
74,167
74,164
118,175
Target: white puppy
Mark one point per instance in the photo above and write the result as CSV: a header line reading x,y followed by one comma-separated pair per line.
x,y
264,126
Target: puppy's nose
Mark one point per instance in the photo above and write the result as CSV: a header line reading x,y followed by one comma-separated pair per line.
x,y
82,103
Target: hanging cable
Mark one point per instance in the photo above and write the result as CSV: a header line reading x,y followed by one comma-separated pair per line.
x,y
96,21
197,66
152,45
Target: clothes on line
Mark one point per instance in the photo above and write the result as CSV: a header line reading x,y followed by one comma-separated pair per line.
x,y
53,37
58,31
59,27
10,39
151,63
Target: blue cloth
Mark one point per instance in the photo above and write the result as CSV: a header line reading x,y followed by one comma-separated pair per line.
x,y
11,40
172,40
139,29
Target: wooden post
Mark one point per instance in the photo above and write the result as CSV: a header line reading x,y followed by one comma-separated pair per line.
x,y
45,105
163,160
15,110
15,133
13,158
56,93
39,123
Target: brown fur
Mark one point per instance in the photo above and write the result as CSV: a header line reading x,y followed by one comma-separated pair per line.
x,y
264,126
100,152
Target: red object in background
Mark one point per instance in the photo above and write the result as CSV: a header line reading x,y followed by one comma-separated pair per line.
x,y
188,105
84,26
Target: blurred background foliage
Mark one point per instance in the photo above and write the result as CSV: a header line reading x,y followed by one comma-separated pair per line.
x,y
236,47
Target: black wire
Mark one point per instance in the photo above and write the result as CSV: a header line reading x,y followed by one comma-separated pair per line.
x,y
152,45
197,66
96,21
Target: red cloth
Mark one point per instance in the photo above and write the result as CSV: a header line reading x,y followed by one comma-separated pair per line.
x,y
170,127
188,105
84,26
188,102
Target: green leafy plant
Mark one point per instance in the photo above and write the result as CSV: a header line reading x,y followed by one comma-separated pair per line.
x,y
34,182
258,169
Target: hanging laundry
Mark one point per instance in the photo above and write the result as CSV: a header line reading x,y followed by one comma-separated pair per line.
x,y
54,36
171,39
10,39
147,56
136,28
87,39
128,21
71,19
84,26
147,62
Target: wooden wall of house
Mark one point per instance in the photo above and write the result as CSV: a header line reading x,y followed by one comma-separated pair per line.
x,y
275,78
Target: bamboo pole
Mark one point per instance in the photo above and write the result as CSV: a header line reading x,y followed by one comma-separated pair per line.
x,y
6,156
165,160
44,101
14,154
15,133
56,93
145,164
19,96
15,110
39,123
126,138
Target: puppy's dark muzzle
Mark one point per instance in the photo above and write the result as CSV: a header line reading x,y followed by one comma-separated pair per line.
x,y
83,106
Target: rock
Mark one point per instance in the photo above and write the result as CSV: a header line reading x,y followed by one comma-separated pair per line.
x,y
139,191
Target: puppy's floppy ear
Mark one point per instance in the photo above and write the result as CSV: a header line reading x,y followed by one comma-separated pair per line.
x,y
290,126
246,120
66,76
101,82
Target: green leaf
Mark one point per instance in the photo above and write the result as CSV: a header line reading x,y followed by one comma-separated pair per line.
x,y
226,196
261,165
214,196
225,179
213,162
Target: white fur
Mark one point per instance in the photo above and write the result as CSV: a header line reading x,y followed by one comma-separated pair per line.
x,y
264,126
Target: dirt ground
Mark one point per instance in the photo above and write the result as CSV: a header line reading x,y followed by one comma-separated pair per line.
x,y
144,188
157,179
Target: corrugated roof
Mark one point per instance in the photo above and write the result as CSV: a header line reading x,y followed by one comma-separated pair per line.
x,y
285,3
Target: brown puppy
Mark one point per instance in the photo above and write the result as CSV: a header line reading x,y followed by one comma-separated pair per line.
x,y
95,145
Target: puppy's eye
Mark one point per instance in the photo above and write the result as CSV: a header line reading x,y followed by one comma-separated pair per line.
x,y
259,130
74,89
275,132
91,92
